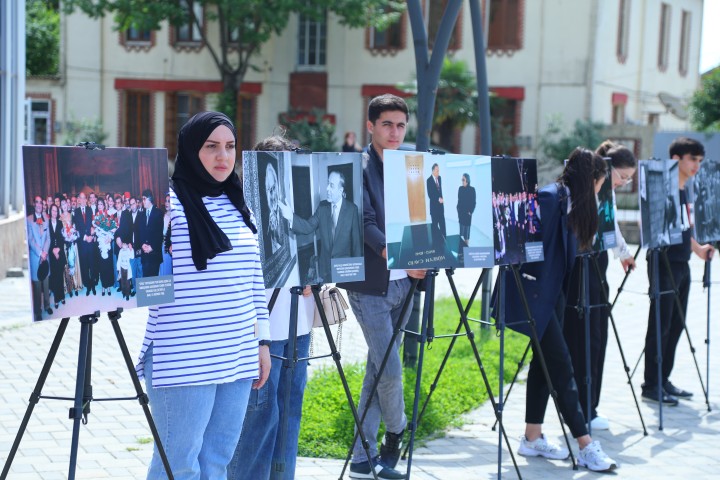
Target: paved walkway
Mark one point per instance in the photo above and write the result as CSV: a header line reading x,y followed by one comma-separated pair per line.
x,y
116,441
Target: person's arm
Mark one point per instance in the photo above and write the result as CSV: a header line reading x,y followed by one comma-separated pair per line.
x,y
621,249
373,236
704,251
262,318
356,249
473,200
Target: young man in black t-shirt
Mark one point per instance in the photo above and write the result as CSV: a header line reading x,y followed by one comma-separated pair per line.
x,y
689,154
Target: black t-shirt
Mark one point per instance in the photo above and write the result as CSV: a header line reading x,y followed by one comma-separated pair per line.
x,y
682,251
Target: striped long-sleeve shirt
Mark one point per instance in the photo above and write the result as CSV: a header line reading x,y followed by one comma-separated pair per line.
x,y
210,333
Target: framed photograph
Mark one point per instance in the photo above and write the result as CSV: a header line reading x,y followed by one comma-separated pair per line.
x,y
605,237
267,185
98,229
706,190
311,222
660,214
517,234
437,213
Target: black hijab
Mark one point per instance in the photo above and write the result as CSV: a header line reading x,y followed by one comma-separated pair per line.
x,y
191,182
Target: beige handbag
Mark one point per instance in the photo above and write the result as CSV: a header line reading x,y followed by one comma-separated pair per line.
x,y
334,305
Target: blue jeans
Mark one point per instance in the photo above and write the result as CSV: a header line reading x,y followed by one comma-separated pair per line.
x,y
258,453
198,425
377,316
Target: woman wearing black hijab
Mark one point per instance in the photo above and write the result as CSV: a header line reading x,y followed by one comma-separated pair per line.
x,y
200,353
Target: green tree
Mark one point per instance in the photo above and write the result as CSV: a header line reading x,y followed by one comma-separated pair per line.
x,y
253,22
557,143
42,37
705,103
84,130
456,107
313,132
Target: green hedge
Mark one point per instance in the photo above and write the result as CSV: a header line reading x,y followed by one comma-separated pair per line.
x,y
327,425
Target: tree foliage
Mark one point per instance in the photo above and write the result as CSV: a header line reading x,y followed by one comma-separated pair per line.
x,y
84,130
42,38
705,103
253,21
313,132
456,106
557,142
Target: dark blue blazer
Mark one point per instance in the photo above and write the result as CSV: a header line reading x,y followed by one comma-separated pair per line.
x,y
543,282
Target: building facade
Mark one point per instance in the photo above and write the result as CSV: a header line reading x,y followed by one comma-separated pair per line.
x,y
608,64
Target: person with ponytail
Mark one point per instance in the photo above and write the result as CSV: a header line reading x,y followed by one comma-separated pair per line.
x,y
568,215
201,353
623,164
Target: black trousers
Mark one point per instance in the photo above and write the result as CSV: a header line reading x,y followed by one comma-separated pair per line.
x,y
560,368
574,330
671,322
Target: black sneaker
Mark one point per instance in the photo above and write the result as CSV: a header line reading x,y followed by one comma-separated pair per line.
x,y
671,389
362,470
651,395
390,448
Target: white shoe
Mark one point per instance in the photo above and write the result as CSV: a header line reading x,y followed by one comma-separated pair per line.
x,y
540,447
593,457
600,423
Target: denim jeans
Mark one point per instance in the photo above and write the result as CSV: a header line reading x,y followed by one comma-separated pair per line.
x,y
258,453
377,316
198,425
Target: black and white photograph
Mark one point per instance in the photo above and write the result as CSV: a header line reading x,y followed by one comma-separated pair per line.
x,y
605,237
661,218
436,210
326,217
98,229
309,212
706,185
267,185
517,234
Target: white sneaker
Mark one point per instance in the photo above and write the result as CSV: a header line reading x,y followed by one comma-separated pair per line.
x,y
600,423
540,447
593,457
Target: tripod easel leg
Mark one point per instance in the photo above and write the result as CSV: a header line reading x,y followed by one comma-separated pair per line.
x,y
541,358
681,313
35,396
83,389
397,328
141,395
617,338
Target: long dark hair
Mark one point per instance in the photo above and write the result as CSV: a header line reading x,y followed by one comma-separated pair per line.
x,y
583,169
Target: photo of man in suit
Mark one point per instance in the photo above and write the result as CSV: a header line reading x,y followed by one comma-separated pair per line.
x,y
336,223
437,206
87,245
126,236
274,231
150,236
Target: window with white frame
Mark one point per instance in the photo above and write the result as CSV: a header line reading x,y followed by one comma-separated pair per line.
x,y
312,42
39,122
189,32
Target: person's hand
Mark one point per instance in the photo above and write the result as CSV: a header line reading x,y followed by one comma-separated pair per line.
x,y
264,366
704,251
43,256
419,274
441,200
56,252
628,264
170,249
384,253
307,291
285,210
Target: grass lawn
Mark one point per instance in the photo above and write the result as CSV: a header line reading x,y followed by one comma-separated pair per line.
x,y
327,424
